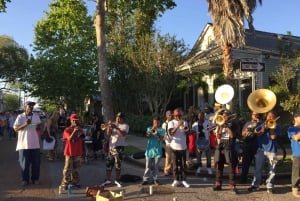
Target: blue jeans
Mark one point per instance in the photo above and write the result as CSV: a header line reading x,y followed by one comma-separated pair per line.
x,y
30,158
260,158
151,167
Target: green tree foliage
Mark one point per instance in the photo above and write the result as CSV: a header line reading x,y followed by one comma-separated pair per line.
x,y
154,58
3,5
142,61
11,102
65,63
286,81
13,60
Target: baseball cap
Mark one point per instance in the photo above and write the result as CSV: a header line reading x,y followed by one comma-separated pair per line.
x,y
74,117
121,114
30,103
168,113
177,113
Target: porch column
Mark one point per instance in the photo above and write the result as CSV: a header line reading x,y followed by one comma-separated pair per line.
x,y
209,79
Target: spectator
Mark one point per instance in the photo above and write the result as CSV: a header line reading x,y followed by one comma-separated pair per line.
x,y
28,144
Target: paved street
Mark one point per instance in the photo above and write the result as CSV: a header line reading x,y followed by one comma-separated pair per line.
x,y
93,172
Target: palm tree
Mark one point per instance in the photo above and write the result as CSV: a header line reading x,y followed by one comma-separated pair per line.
x,y
228,26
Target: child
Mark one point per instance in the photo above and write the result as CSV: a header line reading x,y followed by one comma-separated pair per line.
x,y
294,136
153,152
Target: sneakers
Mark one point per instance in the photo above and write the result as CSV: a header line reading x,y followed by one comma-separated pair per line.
x,y
175,183
253,188
209,171
144,183
217,188
295,192
118,184
185,184
198,170
270,190
232,187
24,183
106,182
36,182
156,182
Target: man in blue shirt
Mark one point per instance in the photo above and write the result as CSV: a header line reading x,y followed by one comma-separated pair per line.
x,y
267,149
294,136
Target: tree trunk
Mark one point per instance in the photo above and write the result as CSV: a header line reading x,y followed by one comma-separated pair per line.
x,y
106,98
227,67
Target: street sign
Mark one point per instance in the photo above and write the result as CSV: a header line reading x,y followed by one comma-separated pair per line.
x,y
253,66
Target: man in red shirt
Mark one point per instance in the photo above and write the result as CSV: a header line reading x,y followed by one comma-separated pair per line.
x,y
74,148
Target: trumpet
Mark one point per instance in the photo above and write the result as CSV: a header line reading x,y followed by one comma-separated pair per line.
x,y
185,128
270,123
153,131
105,126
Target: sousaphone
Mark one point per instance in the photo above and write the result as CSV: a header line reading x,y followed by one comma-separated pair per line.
x,y
261,100
224,94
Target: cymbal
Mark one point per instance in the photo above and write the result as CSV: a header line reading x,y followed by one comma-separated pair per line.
x,y
261,100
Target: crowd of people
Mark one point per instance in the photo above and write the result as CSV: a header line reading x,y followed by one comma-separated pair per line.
x,y
209,132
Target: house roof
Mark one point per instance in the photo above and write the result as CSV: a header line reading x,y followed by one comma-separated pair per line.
x,y
208,58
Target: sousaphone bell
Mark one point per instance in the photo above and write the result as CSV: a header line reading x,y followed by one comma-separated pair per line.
x,y
224,94
261,100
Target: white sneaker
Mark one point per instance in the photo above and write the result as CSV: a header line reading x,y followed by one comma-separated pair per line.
x,y
175,183
209,171
118,184
185,184
198,170
107,182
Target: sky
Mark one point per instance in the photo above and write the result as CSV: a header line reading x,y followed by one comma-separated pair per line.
x,y
186,21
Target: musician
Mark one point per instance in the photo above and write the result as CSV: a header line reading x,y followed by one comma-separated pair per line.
x,y
294,136
116,132
249,137
225,152
74,147
168,150
201,128
267,149
153,153
177,129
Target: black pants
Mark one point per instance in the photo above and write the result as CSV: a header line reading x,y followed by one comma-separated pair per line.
x,y
179,164
249,151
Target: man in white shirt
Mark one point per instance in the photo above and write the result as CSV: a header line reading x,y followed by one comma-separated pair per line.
x,y
178,129
28,144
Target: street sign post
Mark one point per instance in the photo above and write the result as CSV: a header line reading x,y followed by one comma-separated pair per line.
x,y
253,66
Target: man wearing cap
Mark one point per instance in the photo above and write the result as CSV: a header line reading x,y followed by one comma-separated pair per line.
x,y
28,144
116,131
74,146
177,129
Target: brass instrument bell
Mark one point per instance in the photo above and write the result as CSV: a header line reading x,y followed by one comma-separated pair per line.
x,y
261,100
224,94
